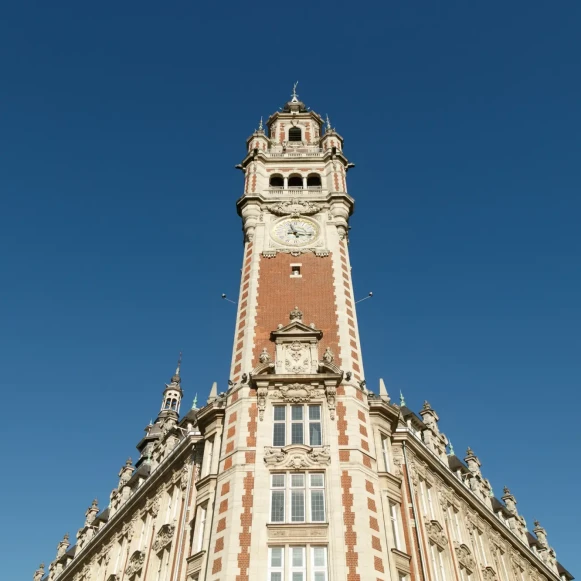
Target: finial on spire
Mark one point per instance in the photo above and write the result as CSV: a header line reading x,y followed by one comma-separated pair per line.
x,y
260,126
176,377
451,452
401,399
329,128
295,97
195,402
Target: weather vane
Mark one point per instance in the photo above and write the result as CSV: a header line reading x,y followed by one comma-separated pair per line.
x,y
294,95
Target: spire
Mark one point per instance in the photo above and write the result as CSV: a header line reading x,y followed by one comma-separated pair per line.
x,y
213,392
195,402
451,452
260,126
383,390
328,128
401,399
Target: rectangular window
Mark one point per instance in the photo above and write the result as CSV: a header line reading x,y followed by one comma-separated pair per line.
x,y
394,513
299,425
437,561
279,429
297,497
385,451
481,547
208,455
297,563
202,511
275,563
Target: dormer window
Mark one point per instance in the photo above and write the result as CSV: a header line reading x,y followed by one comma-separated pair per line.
x,y
295,134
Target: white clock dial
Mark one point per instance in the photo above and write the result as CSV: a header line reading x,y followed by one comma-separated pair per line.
x,y
295,231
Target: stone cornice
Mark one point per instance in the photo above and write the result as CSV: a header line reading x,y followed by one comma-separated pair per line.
x,y
421,452
379,407
210,413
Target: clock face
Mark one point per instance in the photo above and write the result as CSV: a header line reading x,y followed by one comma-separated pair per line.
x,y
295,231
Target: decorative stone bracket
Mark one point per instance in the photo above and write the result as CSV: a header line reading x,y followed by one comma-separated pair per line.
x,y
297,456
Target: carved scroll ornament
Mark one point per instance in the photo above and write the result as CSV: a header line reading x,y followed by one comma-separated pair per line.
x,y
297,457
297,393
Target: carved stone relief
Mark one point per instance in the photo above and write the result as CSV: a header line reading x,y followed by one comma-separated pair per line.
x,y
164,537
297,457
135,563
464,556
297,393
436,533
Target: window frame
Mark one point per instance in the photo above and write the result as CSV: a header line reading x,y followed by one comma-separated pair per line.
x,y
308,570
288,423
291,491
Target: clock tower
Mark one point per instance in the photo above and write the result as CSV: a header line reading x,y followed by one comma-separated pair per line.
x,y
295,211
296,486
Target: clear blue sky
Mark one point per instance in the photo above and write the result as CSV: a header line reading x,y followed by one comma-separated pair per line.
x,y
120,126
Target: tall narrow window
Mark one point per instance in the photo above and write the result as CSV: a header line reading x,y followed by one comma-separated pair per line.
x,y
297,497
481,547
317,497
394,514
279,426
275,564
202,511
297,424
319,563
144,523
422,490
430,503
385,451
277,495
298,564
208,456
437,561
315,438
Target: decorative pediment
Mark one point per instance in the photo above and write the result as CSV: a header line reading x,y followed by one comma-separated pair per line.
x,y
297,457
489,574
164,537
135,563
465,557
436,533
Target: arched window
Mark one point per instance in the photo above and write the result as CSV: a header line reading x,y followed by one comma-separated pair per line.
x,y
167,403
276,181
295,181
174,404
313,180
295,134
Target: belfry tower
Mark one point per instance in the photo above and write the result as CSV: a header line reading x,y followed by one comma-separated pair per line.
x,y
298,471
296,484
